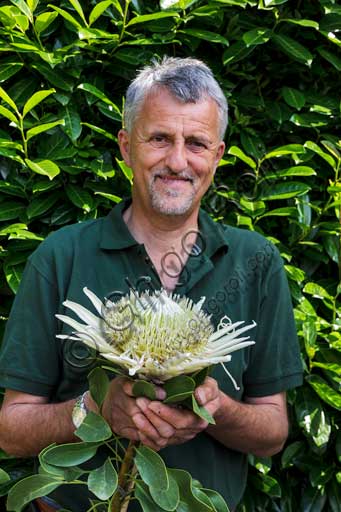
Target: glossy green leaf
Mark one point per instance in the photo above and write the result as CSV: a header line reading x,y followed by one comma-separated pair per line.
x,y
32,132
99,94
62,81
293,48
166,499
72,123
44,167
202,412
309,120
145,18
293,97
10,210
128,173
144,388
79,197
283,191
257,36
239,153
103,480
72,454
267,484
4,477
44,20
289,149
206,35
179,388
78,8
143,496
9,69
217,500
187,496
299,170
317,291
34,100
288,211
236,52
66,15
151,468
316,149
94,428
325,392
331,58
24,8
302,23
98,10
5,112
29,488
7,99
41,204
98,385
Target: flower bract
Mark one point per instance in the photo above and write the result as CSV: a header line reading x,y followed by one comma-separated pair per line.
x,y
155,336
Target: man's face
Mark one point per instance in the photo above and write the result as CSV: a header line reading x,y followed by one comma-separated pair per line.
x,y
173,149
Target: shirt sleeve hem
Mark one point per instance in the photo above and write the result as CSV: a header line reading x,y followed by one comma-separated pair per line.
x,y
275,386
23,385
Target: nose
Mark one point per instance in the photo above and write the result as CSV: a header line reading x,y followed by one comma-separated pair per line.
x,y
176,157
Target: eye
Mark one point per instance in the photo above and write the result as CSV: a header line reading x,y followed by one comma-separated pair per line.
x,y
196,145
159,140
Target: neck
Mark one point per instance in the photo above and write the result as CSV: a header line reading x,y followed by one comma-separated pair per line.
x,y
167,240
159,232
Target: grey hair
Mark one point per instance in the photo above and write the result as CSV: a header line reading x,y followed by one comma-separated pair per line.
x,y
189,80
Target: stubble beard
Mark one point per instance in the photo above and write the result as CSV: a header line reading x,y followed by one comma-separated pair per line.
x,y
159,199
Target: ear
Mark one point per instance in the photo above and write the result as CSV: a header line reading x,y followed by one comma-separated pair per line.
x,y
124,145
219,154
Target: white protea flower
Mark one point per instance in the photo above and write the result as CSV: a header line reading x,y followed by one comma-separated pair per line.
x,y
156,336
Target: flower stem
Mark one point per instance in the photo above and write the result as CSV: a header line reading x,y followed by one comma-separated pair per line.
x,y
121,499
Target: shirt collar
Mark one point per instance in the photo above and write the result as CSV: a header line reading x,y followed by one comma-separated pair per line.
x,y
116,235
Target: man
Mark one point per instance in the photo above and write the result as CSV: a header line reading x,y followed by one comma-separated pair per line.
x,y
175,119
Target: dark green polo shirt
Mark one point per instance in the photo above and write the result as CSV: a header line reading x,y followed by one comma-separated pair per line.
x,y
239,272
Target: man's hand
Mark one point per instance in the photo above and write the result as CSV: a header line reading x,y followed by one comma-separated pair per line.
x,y
173,424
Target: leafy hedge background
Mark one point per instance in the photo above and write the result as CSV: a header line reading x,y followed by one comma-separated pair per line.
x,y
64,69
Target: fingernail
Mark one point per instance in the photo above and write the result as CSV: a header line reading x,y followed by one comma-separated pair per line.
x,y
142,403
201,397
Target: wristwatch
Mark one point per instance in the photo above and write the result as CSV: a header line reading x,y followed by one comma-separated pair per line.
x,y
79,410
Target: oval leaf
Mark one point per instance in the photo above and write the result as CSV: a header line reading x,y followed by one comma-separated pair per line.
x,y
34,100
103,480
151,467
44,167
72,454
30,488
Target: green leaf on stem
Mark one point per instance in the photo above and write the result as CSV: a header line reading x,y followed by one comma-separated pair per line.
x,y
151,467
167,499
103,480
44,167
93,429
202,412
98,385
35,99
187,494
30,488
144,388
179,388
71,454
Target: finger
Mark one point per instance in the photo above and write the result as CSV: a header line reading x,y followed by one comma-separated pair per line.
x,y
178,418
160,393
164,429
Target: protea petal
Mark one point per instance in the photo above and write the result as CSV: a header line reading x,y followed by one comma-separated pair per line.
x,y
156,336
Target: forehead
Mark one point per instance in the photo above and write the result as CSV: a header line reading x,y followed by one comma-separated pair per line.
x,y
162,111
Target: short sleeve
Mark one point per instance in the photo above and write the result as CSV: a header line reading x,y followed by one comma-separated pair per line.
x,y
275,363
29,352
